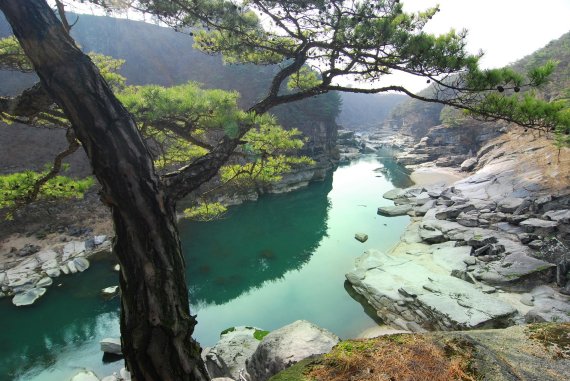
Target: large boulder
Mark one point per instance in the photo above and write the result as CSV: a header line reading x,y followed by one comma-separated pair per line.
x,y
288,345
228,356
469,164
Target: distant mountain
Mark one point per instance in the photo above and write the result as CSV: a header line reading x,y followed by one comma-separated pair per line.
x,y
158,55
361,112
416,117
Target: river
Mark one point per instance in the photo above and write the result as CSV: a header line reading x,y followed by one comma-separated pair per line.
x,y
265,264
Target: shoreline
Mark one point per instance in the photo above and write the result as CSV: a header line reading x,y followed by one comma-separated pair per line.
x,y
471,255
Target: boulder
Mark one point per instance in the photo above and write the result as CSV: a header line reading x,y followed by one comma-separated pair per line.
x,y
81,264
73,248
53,272
510,204
111,345
432,235
44,282
85,375
453,211
392,211
468,219
71,266
288,345
562,216
361,237
538,226
229,355
394,194
110,291
469,164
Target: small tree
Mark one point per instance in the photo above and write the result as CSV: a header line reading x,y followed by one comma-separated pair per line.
x,y
316,43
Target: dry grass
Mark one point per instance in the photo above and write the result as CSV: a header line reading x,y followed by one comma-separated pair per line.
x,y
396,358
553,336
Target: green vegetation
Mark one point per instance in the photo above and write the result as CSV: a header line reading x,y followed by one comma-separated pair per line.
x,y
549,102
17,188
227,330
260,334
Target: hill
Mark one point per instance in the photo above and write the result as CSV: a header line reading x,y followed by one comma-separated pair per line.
x,y
366,111
415,117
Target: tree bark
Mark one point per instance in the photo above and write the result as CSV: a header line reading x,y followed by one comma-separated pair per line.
x,y
156,324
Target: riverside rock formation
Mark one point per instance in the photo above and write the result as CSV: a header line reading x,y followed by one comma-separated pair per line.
x,y
488,250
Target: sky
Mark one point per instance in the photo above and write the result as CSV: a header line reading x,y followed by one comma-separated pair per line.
x,y
506,30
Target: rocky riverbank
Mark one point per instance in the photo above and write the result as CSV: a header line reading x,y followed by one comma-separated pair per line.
x,y
25,274
486,250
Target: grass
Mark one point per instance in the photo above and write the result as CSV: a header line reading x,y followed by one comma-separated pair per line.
x,y
259,334
396,357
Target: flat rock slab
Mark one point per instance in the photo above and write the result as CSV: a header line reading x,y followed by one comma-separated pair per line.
x,y
404,291
111,345
393,211
28,297
536,225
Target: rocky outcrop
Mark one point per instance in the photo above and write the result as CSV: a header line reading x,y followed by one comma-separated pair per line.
x,y
448,146
286,346
497,240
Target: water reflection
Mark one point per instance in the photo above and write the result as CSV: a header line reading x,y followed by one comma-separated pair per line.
x,y
257,242
395,173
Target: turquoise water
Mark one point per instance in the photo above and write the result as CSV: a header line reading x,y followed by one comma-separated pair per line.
x,y
265,264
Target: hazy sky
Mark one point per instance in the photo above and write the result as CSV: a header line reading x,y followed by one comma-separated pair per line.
x,y
506,30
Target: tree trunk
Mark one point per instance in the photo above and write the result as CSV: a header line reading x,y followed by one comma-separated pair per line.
x,y
156,324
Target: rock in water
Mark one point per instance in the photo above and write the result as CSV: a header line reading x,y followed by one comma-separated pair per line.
x,y
85,375
111,345
28,297
393,211
288,345
361,237
110,291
